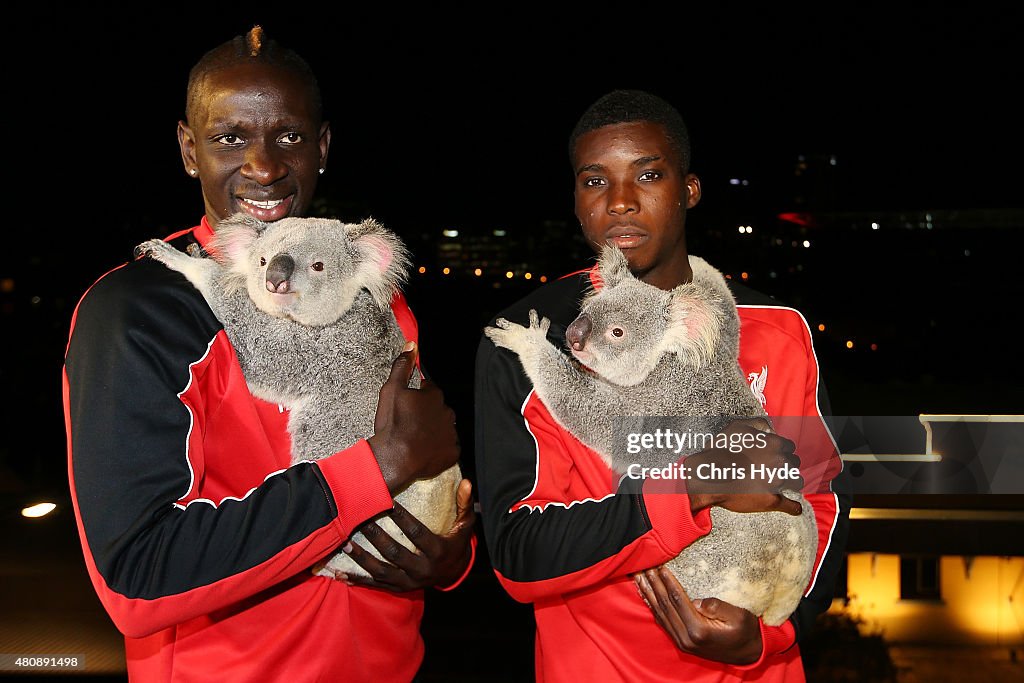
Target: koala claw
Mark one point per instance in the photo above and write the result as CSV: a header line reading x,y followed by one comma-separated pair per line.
x,y
151,248
538,323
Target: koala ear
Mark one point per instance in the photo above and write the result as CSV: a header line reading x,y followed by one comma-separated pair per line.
x,y
234,236
613,266
694,325
383,261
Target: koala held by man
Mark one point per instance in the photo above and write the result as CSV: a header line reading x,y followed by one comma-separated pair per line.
x,y
305,303
641,357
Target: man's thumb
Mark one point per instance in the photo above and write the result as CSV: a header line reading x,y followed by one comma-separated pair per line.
x,y
403,365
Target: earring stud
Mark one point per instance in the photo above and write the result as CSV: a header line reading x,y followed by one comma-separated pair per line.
x,y
192,171
322,171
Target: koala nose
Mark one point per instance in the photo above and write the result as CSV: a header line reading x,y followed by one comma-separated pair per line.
x,y
578,332
279,270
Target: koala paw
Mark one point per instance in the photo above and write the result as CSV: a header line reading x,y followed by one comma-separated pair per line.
x,y
157,249
518,338
538,325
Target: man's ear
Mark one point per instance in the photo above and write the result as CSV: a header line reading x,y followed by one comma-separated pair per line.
x,y
325,142
187,143
692,190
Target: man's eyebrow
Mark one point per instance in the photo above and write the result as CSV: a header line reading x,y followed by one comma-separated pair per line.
x,y
590,168
642,161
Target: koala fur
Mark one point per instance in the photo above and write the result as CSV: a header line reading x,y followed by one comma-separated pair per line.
x,y
642,353
306,304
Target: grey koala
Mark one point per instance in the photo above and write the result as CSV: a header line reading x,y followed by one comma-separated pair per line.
x,y
306,304
645,356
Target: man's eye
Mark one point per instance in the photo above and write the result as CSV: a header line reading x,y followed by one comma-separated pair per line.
x,y
593,182
290,138
650,175
229,139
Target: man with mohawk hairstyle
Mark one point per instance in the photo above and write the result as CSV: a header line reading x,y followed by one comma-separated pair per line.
x,y
200,537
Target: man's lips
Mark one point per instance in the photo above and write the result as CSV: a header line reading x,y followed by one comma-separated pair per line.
x,y
625,236
266,209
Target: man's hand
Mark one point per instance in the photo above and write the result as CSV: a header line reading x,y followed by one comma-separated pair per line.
x,y
753,494
440,562
708,628
414,435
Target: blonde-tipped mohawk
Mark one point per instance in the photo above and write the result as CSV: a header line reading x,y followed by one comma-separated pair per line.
x,y
254,39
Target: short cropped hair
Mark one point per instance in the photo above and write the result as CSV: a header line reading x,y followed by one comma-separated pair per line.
x,y
252,46
627,106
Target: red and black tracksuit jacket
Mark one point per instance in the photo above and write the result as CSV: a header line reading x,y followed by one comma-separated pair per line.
x,y
197,531
563,537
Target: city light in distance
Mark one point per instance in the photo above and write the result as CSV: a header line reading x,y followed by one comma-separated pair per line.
x,y
821,327
849,344
450,233
509,274
446,270
38,510
422,269
478,272
528,275
746,229
807,244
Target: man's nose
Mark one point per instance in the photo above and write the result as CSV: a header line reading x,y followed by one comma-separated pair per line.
x,y
622,199
263,164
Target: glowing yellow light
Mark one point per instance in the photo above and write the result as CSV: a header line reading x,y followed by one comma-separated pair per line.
x,y
478,272
509,274
744,275
742,230
446,270
528,276
423,269
807,243
821,327
849,344
38,510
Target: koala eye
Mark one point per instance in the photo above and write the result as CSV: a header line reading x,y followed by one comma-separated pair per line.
x,y
618,331
263,261
318,266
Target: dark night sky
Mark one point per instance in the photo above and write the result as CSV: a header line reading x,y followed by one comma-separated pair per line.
x,y
464,116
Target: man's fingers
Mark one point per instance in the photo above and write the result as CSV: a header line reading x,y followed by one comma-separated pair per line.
x,y
378,570
676,594
787,505
464,513
391,550
674,611
415,530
